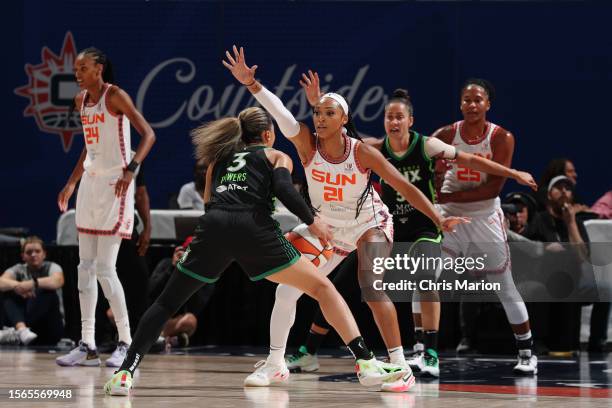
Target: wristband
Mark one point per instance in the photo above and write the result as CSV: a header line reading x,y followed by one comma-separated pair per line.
x,y
132,166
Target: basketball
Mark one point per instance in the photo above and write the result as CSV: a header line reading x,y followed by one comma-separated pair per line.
x,y
309,245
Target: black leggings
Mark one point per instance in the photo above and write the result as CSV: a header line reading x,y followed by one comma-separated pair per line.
x,y
178,290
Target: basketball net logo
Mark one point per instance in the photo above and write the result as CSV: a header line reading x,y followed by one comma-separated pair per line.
x,y
51,91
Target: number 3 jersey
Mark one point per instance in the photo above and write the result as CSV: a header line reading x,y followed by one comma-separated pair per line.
x,y
335,188
459,178
243,181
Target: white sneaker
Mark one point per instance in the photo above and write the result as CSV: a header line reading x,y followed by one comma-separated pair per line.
x,y
81,355
8,335
527,363
266,374
26,336
431,364
417,363
302,361
373,372
116,359
401,384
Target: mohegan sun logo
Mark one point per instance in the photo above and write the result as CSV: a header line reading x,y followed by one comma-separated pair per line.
x,y
51,91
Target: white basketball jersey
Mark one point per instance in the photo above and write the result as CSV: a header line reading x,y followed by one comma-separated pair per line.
x,y
335,187
107,137
459,178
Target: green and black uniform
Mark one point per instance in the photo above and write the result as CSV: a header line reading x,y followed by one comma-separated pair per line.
x,y
238,225
409,224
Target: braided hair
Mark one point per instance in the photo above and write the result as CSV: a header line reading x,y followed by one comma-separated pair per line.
x,y
108,74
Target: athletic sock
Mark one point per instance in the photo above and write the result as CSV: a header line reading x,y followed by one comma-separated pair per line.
x,y
431,339
277,355
314,341
396,355
524,341
418,335
359,349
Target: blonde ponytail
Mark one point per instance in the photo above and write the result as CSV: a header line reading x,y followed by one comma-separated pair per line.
x,y
216,140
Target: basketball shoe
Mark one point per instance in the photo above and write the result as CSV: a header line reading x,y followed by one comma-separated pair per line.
x,y
267,373
82,355
302,361
119,384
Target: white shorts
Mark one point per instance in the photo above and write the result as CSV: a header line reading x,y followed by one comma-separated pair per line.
x,y
99,211
345,239
485,236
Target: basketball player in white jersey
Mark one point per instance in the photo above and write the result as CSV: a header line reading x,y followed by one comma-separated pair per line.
x,y
473,193
105,200
338,168
410,153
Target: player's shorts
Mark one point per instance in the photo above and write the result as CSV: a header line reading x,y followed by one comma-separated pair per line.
x,y
99,211
345,238
483,237
249,237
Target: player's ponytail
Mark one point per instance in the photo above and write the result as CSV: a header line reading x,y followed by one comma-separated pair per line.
x,y
215,141
351,131
254,121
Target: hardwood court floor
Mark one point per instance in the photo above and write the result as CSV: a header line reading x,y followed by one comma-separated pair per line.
x,y
216,381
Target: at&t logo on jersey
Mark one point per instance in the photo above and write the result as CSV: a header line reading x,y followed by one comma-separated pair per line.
x,y
51,91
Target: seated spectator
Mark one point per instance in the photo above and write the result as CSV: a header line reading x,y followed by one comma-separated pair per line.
x,y
558,167
558,224
603,206
184,323
191,195
519,209
31,301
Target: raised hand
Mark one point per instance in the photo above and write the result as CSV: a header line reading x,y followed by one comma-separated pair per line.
x,y
311,87
238,67
526,179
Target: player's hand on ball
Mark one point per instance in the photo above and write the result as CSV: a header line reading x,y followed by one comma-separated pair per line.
x,y
448,224
321,230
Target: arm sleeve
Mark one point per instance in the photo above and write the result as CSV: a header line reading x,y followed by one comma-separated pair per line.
x,y
286,122
435,148
283,189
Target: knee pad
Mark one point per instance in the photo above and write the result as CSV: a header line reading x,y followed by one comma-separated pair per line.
x,y
107,276
86,276
286,294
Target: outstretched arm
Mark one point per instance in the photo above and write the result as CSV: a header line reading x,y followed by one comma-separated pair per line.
x,y
436,148
373,159
298,133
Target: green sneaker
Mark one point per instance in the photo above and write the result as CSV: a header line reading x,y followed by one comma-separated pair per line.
x,y
302,361
119,384
374,372
431,366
